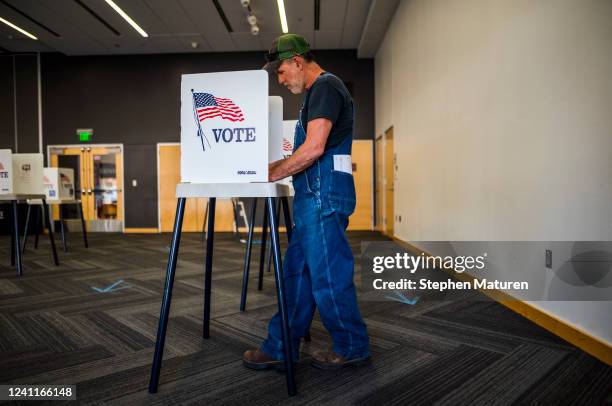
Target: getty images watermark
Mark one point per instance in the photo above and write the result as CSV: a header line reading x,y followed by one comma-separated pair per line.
x,y
479,270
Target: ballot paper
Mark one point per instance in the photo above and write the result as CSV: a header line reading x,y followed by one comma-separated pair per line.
x,y
342,163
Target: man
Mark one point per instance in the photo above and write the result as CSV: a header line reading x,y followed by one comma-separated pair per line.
x,y
318,265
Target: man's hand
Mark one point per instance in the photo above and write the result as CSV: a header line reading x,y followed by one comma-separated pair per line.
x,y
272,176
313,147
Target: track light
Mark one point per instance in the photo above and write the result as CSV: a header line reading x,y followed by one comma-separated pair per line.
x,y
283,16
254,30
21,30
127,18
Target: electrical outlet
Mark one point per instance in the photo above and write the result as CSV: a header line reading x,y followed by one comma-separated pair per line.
x,y
549,259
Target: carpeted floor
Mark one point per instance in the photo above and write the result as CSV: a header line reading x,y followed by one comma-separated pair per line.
x,y
56,329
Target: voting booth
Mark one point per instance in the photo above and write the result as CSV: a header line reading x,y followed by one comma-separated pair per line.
x,y
230,130
21,174
58,183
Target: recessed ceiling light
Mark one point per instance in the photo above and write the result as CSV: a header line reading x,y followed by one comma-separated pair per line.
x,y
283,16
21,30
127,18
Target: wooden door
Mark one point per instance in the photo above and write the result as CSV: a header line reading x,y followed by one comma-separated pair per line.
x,y
98,183
80,176
389,182
362,173
169,175
105,178
380,184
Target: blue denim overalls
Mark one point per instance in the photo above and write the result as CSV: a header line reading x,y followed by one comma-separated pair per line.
x,y
318,265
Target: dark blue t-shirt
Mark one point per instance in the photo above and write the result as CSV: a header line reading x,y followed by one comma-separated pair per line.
x,y
329,98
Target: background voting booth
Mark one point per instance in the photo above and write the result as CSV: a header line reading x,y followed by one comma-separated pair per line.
x,y
21,178
21,174
59,189
58,183
228,122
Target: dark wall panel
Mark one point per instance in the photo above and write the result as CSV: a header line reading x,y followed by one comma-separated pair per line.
x,y
7,112
26,75
135,100
140,164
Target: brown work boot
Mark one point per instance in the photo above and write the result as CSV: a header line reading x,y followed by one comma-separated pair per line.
x,y
331,360
256,359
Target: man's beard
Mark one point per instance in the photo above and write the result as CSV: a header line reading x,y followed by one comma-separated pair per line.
x,y
295,90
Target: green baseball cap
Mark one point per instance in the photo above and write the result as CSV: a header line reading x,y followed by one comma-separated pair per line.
x,y
284,47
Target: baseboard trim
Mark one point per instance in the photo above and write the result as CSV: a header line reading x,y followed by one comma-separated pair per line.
x,y
243,231
145,230
561,328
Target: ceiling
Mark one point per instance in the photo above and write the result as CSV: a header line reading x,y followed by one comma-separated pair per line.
x,y
92,27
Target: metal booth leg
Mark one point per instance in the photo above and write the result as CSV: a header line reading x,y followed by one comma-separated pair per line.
x,y
165,308
247,257
280,294
83,228
16,248
62,230
12,240
49,220
278,207
40,224
204,222
264,236
210,234
27,228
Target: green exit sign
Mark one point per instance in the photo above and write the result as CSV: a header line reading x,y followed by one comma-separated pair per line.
x,y
85,134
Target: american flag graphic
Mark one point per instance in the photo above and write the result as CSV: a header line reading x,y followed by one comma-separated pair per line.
x,y
209,106
287,145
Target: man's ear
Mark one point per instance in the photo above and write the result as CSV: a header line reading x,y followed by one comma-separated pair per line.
x,y
299,62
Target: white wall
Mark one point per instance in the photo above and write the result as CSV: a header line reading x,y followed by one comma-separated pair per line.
x,y
502,117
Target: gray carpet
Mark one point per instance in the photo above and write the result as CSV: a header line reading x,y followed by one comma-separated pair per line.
x,y
55,329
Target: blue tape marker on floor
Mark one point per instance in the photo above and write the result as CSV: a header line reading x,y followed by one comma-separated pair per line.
x,y
110,288
402,299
